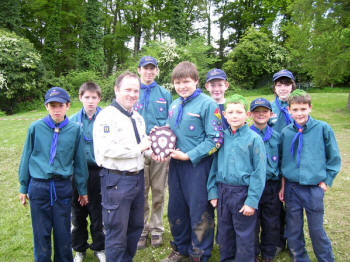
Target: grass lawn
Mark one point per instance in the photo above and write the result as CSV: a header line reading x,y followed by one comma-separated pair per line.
x,y
15,222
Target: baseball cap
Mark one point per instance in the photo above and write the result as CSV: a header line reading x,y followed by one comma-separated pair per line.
x,y
215,74
260,102
146,60
57,94
283,73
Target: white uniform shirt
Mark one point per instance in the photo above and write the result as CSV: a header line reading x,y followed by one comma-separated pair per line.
x,y
115,143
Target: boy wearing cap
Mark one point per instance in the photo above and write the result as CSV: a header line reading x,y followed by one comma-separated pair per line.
x,y
195,120
236,182
270,206
283,85
52,153
90,96
310,162
153,105
216,84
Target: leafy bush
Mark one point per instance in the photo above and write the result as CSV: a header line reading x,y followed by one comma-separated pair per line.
x,y
21,71
256,55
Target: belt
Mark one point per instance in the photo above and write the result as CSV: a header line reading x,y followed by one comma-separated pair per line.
x,y
52,178
123,173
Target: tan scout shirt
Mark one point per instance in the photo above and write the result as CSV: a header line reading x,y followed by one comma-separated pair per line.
x,y
115,143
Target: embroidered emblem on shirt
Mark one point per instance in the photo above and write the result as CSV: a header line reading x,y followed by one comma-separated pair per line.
x,y
161,109
191,127
192,114
138,106
274,158
217,113
170,114
212,151
161,101
106,129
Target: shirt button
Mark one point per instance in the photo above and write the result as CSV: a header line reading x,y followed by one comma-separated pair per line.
x,y
109,211
116,187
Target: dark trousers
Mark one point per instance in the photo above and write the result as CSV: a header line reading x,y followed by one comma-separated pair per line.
x,y
310,198
50,207
80,213
122,212
236,231
191,217
268,222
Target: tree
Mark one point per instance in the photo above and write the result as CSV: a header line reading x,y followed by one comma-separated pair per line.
x,y
10,15
319,40
21,71
91,45
254,56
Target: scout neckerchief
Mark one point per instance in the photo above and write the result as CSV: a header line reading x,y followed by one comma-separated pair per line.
x,y
196,93
146,94
80,121
48,121
223,119
299,135
284,110
128,114
268,132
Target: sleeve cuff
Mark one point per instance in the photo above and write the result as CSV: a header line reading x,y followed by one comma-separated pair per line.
x,y
193,157
328,181
213,194
23,189
251,203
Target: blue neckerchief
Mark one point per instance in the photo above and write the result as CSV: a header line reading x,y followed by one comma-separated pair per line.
x,y
268,132
299,135
284,110
53,196
50,123
224,122
196,93
128,114
80,121
146,94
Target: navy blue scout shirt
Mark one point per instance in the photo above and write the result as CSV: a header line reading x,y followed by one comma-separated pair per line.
x,y
319,156
241,161
199,133
273,148
278,121
69,159
225,125
87,127
157,109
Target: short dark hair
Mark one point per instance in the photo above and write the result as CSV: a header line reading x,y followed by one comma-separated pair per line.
x,y
285,81
183,70
90,86
120,78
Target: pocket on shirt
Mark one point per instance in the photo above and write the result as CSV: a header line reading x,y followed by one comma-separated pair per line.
x,y
160,110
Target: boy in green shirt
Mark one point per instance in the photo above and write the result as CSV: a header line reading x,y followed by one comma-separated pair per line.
x,y
52,153
310,162
90,96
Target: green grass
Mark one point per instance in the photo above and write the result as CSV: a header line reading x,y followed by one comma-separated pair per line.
x,y
15,222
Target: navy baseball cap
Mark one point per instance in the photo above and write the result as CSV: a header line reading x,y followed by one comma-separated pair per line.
x,y
57,94
260,102
146,60
215,74
283,73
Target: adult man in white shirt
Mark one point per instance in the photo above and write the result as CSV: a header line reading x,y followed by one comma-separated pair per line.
x,y
119,142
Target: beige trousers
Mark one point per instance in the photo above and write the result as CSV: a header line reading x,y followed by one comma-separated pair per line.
x,y
156,178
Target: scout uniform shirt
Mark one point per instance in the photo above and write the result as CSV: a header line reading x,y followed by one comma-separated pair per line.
x,y
278,121
156,111
241,161
199,132
115,144
272,147
319,154
69,159
87,125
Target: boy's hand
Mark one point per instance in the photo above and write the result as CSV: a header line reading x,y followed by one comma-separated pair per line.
x,y
323,185
23,198
281,193
214,202
247,210
145,144
159,158
83,200
179,155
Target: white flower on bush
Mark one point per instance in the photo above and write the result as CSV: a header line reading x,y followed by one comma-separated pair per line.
x,y
3,82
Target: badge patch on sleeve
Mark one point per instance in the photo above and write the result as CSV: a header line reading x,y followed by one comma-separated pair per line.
x,y
217,113
106,129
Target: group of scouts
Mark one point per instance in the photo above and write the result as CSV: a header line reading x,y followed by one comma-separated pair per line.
x,y
99,164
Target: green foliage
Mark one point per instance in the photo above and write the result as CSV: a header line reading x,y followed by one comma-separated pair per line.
x,y
21,71
169,54
319,40
10,15
256,55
